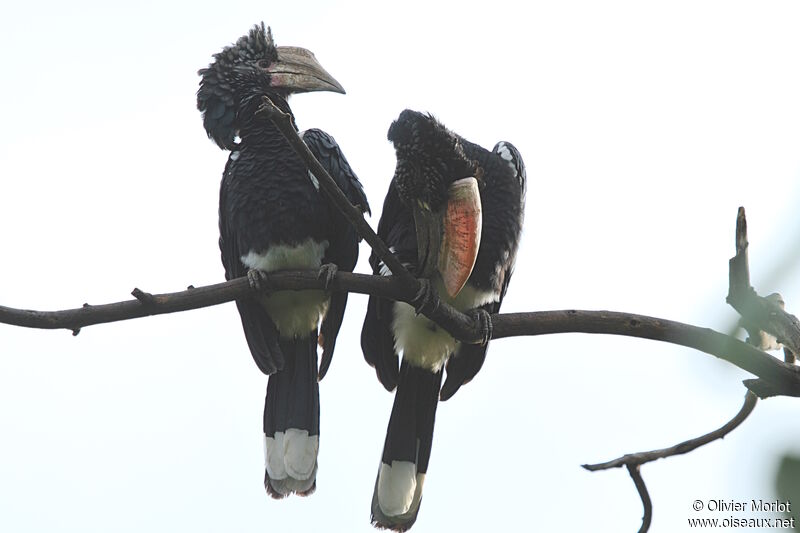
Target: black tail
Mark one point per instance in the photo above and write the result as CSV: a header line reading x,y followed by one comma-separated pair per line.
x,y
398,489
291,420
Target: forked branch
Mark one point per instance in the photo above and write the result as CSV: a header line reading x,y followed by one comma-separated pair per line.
x,y
634,461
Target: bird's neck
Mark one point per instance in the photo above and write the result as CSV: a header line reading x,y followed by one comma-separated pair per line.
x,y
259,131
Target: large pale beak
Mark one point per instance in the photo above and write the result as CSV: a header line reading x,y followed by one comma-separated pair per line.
x,y
299,71
449,241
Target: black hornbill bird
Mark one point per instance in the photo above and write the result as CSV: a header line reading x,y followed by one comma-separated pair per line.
x,y
453,216
272,216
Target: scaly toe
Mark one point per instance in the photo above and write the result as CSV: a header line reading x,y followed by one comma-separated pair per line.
x,y
255,277
328,271
426,298
485,326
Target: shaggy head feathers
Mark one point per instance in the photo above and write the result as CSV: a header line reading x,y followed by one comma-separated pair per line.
x,y
232,78
429,158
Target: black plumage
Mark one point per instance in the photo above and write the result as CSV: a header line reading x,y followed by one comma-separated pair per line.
x,y
429,159
272,216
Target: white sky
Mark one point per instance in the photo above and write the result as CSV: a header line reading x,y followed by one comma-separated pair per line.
x,y
643,127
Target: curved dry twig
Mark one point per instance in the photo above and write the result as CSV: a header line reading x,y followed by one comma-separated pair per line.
x,y
633,461
640,458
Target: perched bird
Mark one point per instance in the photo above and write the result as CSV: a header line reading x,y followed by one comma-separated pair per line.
x,y
453,216
272,216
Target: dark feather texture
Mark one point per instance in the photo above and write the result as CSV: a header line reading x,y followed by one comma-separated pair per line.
x,y
429,159
343,250
272,216
227,80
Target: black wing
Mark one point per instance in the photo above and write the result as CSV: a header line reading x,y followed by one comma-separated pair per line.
x,y
343,248
259,330
396,229
469,358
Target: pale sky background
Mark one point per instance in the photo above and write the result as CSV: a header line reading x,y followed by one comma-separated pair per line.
x,y
643,127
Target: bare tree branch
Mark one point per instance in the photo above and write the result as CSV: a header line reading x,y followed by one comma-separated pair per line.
x,y
640,458
758,313
783,378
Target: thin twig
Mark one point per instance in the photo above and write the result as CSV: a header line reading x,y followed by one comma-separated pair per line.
x,y
641,458
641,488
283,121
145,297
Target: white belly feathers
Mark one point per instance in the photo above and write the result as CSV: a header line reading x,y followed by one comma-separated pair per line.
x,y
422,342
294,312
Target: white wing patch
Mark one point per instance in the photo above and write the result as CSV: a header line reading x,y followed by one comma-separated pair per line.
x,y
505,153
510,155
314,180
311,176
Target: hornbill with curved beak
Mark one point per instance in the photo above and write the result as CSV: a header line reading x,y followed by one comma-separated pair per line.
x,y
272,216
453,215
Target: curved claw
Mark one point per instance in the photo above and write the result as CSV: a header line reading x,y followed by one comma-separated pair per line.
x,y
484,320
255,277
328,271
426,298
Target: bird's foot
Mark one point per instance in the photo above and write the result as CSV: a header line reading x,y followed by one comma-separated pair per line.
x,y
484,320
328,272
255,277
426,299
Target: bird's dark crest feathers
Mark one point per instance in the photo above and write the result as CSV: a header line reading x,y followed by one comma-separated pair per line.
x,y
224,82
255,45
423,145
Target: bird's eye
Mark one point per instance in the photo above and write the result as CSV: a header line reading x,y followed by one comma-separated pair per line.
x,y
263,63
